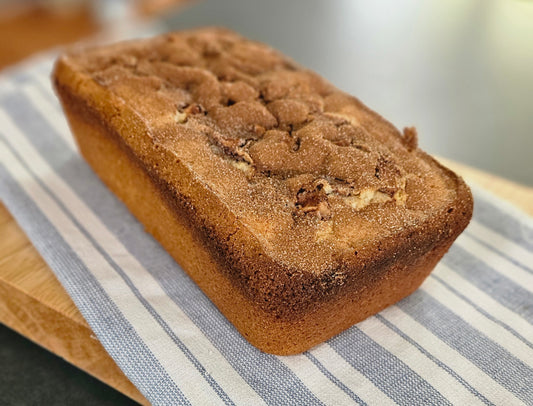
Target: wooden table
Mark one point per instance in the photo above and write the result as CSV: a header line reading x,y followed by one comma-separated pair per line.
x,y
33,303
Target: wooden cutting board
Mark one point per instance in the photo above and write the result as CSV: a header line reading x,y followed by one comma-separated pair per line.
x,y
33,303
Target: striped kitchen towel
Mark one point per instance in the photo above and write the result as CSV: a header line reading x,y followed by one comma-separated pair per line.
x,y
465,337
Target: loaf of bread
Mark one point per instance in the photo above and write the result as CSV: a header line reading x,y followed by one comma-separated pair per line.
x,y
295,208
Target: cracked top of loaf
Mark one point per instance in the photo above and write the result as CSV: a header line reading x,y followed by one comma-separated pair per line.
x,y
285,159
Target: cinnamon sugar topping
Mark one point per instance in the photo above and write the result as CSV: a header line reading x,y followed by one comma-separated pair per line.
x,y
256,107
312,173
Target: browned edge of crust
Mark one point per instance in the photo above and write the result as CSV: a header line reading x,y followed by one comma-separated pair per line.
x,y
392,266
263,330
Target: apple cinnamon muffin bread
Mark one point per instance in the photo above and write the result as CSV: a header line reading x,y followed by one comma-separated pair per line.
x,y
295,208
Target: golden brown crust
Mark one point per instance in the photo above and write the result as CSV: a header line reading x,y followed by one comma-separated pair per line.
x,y
123,174
302,197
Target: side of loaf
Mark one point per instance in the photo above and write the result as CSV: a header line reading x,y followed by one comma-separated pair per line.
x,y
295,208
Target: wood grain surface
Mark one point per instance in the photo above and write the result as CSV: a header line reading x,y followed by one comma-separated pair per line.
x,y
33,303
